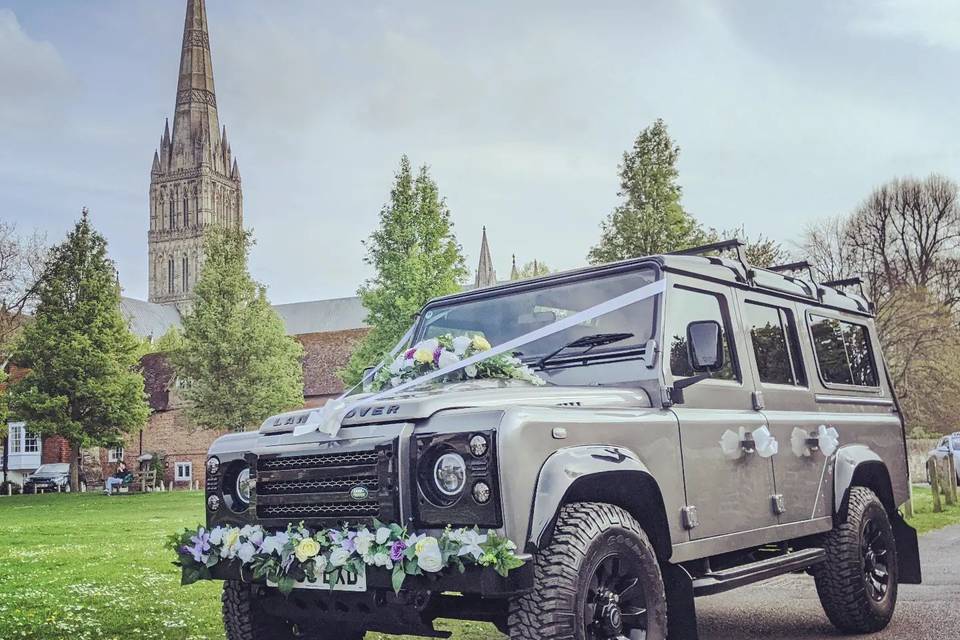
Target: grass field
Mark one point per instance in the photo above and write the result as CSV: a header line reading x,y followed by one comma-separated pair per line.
x,y
82,567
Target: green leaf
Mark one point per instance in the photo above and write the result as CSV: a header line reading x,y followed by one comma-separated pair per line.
x,y
399,575
285,584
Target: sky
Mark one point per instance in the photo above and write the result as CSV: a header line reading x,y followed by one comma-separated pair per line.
x,y
785,112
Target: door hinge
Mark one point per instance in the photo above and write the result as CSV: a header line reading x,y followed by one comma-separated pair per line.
x,y
690,518
757,400
779,507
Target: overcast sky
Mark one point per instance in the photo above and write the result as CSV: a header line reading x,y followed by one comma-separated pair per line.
x,y
785,112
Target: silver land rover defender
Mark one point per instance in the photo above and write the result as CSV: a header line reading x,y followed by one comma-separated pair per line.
x,y
738,426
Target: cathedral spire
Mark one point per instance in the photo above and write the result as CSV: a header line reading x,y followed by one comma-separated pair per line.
x,y
514,274
486,276
196,127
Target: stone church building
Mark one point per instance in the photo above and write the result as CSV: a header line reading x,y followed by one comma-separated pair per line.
x,y
195,186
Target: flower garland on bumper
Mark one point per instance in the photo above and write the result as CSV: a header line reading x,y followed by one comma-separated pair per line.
x,y
297,555
436,353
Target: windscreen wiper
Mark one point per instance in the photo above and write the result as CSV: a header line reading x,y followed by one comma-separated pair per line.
x,y
590,342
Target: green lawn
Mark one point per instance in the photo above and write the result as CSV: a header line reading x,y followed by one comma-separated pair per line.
x,y
86,566
924,519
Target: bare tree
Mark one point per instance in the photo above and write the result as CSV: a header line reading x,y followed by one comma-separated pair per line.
x,y
22,263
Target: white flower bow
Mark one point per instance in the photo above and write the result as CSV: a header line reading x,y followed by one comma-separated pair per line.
x,y
767,445
829,439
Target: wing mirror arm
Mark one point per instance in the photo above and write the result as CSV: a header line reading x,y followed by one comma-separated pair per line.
x,y
676,391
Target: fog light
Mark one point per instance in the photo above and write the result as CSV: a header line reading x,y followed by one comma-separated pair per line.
x,y
478,446
481,492
213,503
213,466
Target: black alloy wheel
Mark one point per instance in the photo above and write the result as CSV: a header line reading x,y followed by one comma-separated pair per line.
x,y
615,602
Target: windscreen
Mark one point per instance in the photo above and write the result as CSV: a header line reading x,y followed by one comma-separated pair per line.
x,y
503,317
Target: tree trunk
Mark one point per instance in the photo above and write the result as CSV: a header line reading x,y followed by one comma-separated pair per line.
x,y
75,467
6,457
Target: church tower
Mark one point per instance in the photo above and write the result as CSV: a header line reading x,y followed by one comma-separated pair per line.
x,y
486,276
194,182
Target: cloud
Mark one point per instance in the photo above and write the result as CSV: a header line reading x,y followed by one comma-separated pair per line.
x,y
934,23
34,78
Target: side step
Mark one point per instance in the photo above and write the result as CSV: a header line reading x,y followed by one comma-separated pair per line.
x,y
726,579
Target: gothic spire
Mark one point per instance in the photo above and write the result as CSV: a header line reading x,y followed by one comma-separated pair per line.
x,y
196,127
486,276
514,273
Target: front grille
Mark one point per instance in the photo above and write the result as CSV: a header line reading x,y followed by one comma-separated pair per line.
x,y
322,489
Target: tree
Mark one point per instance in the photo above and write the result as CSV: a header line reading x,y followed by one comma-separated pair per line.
x,y
531,269
760,251
416,257
22,260
236,362
82,383
650,220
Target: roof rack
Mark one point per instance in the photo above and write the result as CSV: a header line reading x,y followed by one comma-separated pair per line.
x,y
855,281
723,245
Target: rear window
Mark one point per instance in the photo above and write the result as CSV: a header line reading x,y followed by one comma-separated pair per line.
x,y
843,352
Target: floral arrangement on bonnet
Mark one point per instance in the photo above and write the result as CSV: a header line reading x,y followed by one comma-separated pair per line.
x,y
298,555
446,350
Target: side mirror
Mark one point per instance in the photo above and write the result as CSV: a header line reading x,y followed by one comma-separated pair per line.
x,y
705,345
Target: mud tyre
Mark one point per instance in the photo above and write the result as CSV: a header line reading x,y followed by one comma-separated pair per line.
x,y
857,583
598,579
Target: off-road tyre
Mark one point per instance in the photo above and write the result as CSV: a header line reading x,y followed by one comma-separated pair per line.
x,y
842,581
585,532
244,618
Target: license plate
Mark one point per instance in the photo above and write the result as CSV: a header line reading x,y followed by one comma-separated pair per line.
x,y
342,579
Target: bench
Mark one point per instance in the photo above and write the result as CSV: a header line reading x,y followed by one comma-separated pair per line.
x,y
139,481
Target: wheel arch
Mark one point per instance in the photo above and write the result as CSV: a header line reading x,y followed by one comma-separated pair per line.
x,y
613,475
858,465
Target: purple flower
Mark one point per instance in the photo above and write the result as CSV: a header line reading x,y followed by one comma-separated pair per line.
x,y
396,551
201,544
348,544
409,353
436,356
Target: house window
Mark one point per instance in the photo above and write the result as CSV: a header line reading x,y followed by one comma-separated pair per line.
x,y
16,438
170,276
31,442
115,454
184,472
186,273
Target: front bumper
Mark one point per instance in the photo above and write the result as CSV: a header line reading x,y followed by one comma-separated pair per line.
x,y
481,581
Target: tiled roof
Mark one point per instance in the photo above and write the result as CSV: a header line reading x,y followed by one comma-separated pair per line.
x,y
148,319
320,316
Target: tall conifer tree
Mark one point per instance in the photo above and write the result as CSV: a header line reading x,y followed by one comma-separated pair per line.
x,y
83,383
416,257
236,363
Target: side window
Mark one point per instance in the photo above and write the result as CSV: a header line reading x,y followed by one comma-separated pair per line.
x,y
843,352
683,307
774,337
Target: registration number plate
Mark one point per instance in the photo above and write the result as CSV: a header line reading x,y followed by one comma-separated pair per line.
x,y
342,579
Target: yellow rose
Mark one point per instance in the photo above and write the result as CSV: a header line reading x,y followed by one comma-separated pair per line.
x,y
480,343
232,538
306,549
423,356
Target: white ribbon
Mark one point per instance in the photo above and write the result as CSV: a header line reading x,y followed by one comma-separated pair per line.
x,y
829,439
798,442
767,445
731,443
328,418
764,444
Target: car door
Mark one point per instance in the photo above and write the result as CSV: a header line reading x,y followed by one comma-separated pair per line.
x,y
778,358
730,495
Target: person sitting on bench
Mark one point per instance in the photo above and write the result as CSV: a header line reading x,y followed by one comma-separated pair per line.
x,y
117,479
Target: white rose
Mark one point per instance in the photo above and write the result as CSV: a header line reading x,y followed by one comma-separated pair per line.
x,y
447,359
430,345
383,534
382,559
397,364
320,564
246,552
363,541
428,555
339,557
471,371
216,535
460,344
253,534
274,543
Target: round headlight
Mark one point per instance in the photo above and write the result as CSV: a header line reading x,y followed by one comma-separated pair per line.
x,y
213,503
481,492
244,485
450,474
479,446
213,466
